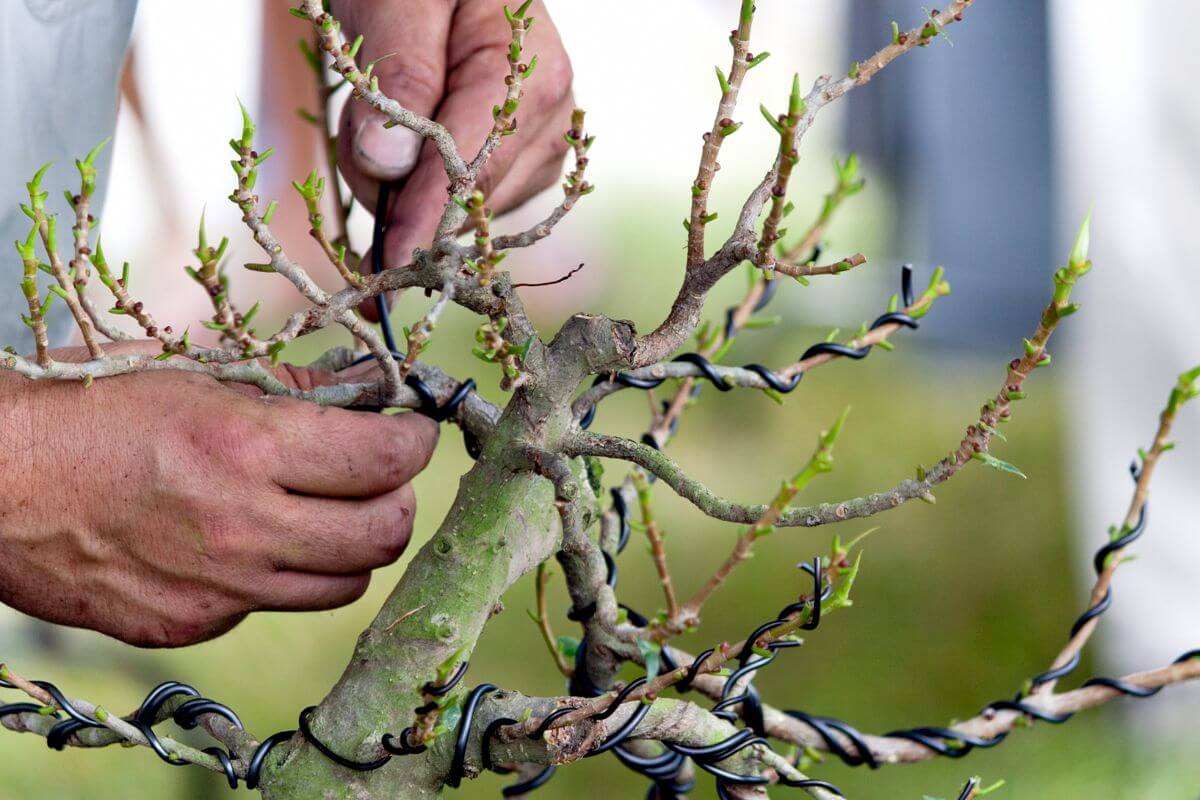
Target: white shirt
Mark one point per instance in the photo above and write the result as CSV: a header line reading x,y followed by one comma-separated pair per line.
x,y
60,63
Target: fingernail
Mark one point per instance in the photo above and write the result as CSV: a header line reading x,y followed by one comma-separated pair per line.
x,y
386,153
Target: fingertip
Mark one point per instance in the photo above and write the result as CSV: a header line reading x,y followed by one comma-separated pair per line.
x,y
385,154
420,432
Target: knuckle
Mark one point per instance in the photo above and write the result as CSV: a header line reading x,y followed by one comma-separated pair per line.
x,y
232,439
227,541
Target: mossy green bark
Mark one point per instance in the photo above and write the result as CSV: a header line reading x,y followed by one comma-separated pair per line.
x,y
503,523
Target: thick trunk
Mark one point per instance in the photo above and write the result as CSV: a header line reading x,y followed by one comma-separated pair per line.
x,y
502,524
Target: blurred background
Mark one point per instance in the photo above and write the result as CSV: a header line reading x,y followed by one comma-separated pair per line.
x,y
982,153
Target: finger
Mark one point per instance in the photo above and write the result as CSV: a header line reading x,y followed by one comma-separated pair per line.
x,y
332,452
303,591
339,537
477,64
412,49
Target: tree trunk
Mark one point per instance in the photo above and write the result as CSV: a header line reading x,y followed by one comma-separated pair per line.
x,y
502,524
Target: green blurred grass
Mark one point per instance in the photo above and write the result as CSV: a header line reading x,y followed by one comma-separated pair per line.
x,y
956,605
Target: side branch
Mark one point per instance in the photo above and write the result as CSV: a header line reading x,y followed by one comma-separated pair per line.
x,y
115,729
692,490
988,724
700,277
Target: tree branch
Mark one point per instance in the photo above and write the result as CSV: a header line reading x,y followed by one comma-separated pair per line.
x,y
585,443
120,730
740,376
701,276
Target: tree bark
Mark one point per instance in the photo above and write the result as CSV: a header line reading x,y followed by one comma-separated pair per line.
x,y
503,523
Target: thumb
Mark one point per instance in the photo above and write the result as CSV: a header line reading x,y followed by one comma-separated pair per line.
x,y
411,52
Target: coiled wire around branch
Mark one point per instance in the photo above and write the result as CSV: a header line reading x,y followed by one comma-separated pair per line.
x,y
186,715
774,380
956,744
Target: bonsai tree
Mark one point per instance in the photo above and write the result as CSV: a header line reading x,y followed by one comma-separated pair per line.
x,y
402,721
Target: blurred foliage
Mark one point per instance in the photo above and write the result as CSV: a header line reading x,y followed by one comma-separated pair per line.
x,y
956,605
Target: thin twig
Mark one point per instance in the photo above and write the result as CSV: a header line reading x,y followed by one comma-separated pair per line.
x,y
554,282
543,621
1179,394
655,536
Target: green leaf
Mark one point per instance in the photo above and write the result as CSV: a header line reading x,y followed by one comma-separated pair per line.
x,y
36,182
722,80
247,126
568,646
754,323
993,431
529,70
451,716
651,653
841,593
990,789
769,117
996,463
274,351
1079,252
795,100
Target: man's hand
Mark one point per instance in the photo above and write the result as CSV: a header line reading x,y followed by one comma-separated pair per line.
x,y
447,60
161,508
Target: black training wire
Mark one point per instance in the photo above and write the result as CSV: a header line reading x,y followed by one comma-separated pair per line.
x,y
663,770
774,380
377,236
358,766
458,760
428,404
749,698
401,745
185,715
1098,563
956,744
